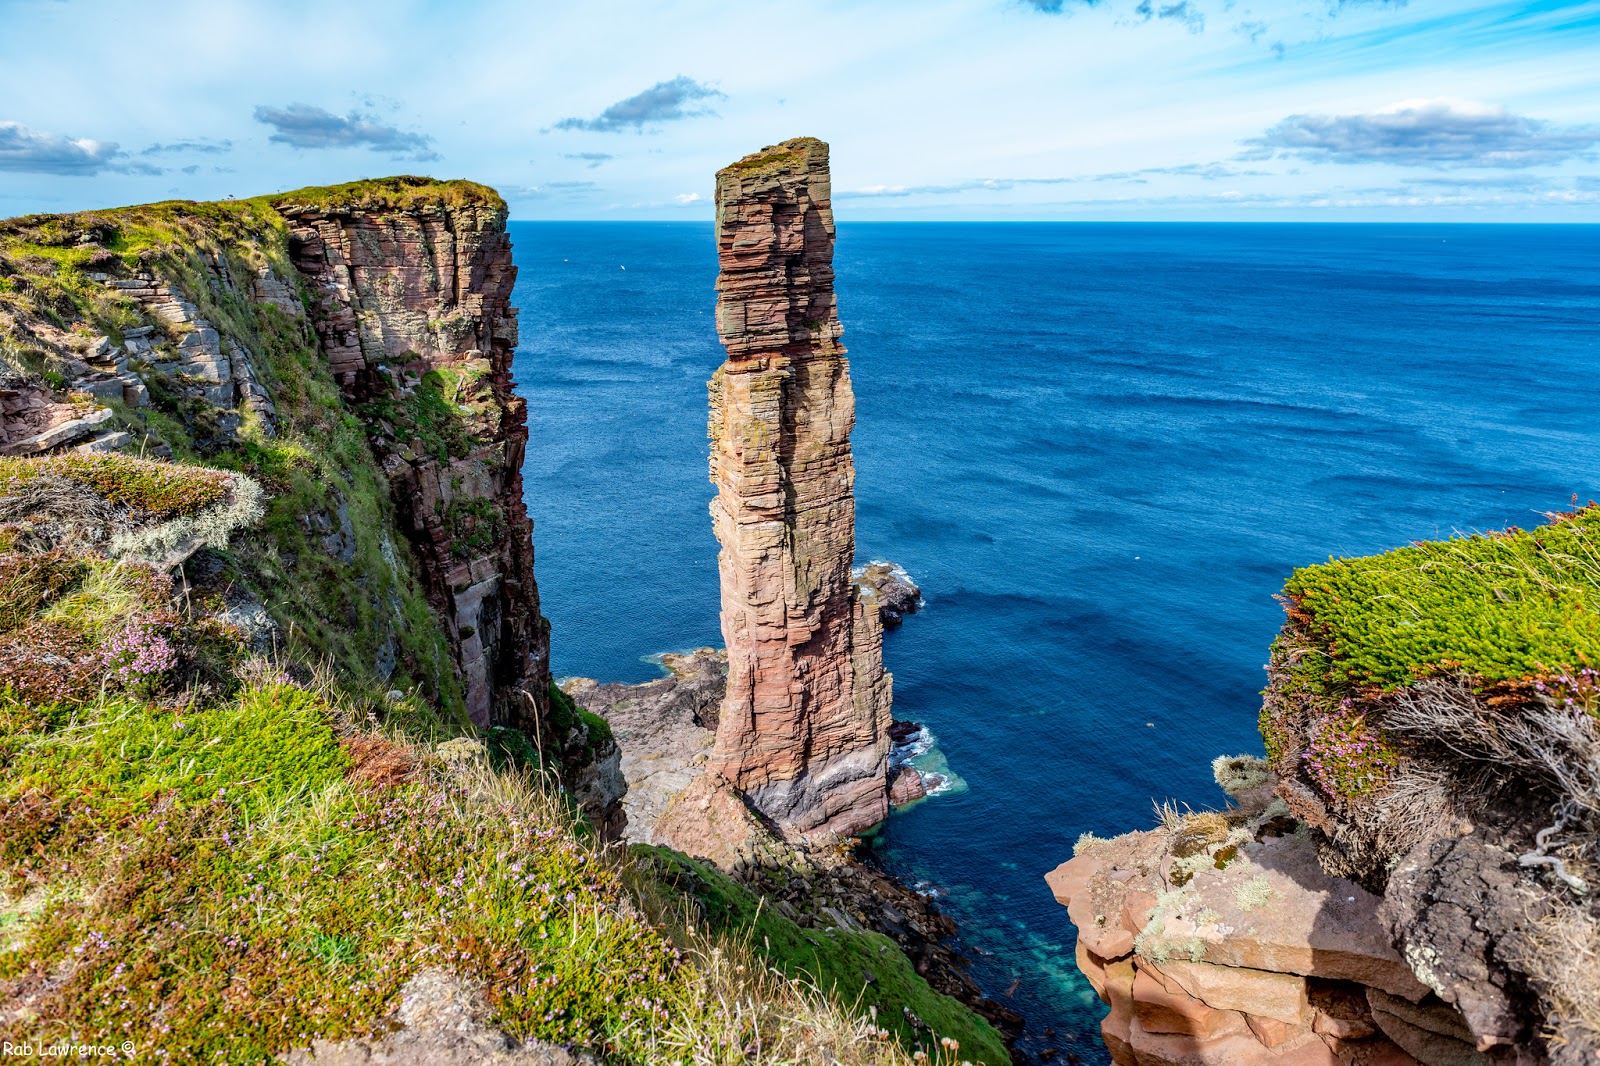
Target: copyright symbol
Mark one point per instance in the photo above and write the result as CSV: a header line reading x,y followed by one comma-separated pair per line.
x,y
127,1047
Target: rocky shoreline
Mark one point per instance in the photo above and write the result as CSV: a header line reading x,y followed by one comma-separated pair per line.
x,y
664,729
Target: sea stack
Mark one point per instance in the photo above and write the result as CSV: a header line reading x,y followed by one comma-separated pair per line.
x,y
803,731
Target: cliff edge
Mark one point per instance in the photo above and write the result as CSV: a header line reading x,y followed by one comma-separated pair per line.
x,y
347,349
273,682
1411,869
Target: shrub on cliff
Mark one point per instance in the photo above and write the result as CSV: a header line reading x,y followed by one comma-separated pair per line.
x,y
162,490
1499,607
1450,688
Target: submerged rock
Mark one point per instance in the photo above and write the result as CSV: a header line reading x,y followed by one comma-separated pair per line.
x,y
906,787
896,593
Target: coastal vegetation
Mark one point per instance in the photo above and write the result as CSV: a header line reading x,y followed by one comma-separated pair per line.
x,y
218,854
1513,616
1496,607
242,804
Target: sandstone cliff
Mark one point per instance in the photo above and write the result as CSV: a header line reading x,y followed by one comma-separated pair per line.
x,y
803,729
413,309
1432,728
349,347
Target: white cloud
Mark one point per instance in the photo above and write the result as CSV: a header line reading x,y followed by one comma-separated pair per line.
x,y
33,151
1440,132
305,126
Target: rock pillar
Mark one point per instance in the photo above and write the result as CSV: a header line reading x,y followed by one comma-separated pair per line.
x,y
803,731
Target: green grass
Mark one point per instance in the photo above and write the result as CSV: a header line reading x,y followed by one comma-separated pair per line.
x,y
837,961
776,158
406,190
228,879
566,715
431,416
254,885
31,581
164,490
1500,607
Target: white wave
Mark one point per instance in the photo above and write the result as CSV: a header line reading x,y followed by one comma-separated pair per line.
x,y
920,751
919,743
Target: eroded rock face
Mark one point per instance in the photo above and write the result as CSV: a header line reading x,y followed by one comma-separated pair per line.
x,y
803,726
1268,959
1463,916
413,311
664,730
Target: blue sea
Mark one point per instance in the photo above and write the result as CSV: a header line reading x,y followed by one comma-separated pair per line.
x,y
1100,449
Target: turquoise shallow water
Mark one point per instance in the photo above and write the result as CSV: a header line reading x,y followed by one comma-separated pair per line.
x,y
1100,449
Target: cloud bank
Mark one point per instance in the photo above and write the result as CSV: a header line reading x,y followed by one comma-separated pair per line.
x,y
305,126
665,101
31,151
203,147
1442,132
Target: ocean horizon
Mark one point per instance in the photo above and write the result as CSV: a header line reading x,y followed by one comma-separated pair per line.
x,y
1099,448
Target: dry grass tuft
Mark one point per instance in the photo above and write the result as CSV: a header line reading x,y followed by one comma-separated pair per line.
x,y
1564,966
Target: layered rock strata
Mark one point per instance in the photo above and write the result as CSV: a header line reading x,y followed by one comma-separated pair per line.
x,y
1218,945
802,732
413,310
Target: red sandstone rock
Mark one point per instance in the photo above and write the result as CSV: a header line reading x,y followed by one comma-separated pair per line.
x,y
1271,1032
1263,993
1164,1009
1116,1029
1222,979
803,730
906,787
708,819
1092,967
426,285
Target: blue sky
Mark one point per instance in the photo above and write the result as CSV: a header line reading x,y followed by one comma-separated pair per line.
x,y
936,109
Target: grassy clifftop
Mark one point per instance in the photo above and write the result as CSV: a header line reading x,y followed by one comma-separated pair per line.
x,y
1496,607
241,806
218,856
1509,620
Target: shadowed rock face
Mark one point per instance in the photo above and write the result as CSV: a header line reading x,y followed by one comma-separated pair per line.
x,y
803,731
402,292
